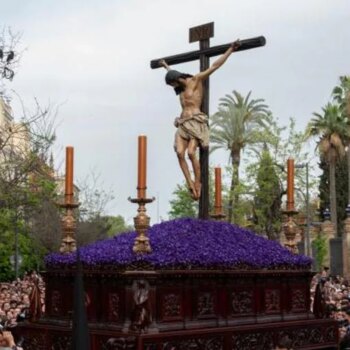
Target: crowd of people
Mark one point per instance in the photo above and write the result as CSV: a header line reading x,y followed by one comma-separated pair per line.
x,y
334,291
19,300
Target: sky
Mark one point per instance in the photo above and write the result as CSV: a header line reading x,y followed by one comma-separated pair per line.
x,y
92,59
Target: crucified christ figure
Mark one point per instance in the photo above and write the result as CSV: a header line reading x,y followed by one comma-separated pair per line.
x,y
192,125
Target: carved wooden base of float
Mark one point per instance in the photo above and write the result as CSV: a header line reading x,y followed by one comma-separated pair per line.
x,y
312,334
184,310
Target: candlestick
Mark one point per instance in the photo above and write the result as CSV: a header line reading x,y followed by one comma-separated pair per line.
x,y
69,226
142,166
141,220
142,223
68,222
290,184
69,173
218,213
218,199
290,231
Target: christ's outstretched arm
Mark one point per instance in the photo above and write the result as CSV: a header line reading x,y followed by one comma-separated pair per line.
x,y
219,62
164,64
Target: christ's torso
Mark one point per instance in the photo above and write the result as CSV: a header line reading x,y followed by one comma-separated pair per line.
x,y
191,98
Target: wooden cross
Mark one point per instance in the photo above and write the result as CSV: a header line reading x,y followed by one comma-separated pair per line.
x,y
203,33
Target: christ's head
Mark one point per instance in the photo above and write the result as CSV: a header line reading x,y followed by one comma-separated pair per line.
x,y
177,80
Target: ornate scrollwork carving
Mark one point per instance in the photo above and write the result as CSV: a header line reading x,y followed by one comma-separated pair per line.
x,y
150,347
272,300
263,340
56,302
140,265
215,343
298,299
34,342
298,338
303,336
128,343
242,302
316,336
205,304
330,334
171,305
113,307
61,342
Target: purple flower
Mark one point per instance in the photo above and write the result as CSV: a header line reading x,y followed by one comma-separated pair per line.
x,y
188,243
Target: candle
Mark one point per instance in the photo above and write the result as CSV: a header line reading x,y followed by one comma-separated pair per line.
x,y
290,184
218,200
69,172
142,169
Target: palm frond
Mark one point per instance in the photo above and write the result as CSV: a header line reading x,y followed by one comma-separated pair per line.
x,y
239,122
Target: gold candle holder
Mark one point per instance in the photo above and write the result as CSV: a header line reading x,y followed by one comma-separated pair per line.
x,y
69,226
218,214
141,223
290,231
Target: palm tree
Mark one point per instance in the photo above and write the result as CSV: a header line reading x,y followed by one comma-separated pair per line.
x,y
341,95
235,126
333,130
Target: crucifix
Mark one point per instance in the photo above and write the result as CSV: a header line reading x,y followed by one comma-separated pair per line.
x,y
203,33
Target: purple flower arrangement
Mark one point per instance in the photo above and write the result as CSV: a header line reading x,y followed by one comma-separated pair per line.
x,y
188,244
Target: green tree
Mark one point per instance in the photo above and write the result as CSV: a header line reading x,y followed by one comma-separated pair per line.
x,y
341,180
12,227
332,129
320,246
182,205
289,141
341,96
6,248
26,184
116,225
267,201
235,126
93,223
281,143
42,216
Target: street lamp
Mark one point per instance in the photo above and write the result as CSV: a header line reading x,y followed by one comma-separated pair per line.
x,y
6,57
17,257
16,262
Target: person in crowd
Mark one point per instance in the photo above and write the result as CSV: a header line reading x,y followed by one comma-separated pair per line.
x,y
7,341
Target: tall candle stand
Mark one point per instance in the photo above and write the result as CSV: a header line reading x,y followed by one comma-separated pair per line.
x,y
218,214
290,227
69,226
290,231
141,221
68,222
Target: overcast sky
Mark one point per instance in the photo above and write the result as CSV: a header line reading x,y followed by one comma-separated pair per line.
x,y
93,58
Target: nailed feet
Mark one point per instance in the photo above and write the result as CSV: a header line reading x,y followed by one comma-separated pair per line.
x,y
195,190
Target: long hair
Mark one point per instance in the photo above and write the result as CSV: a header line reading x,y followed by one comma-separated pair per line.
x,y
173,76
